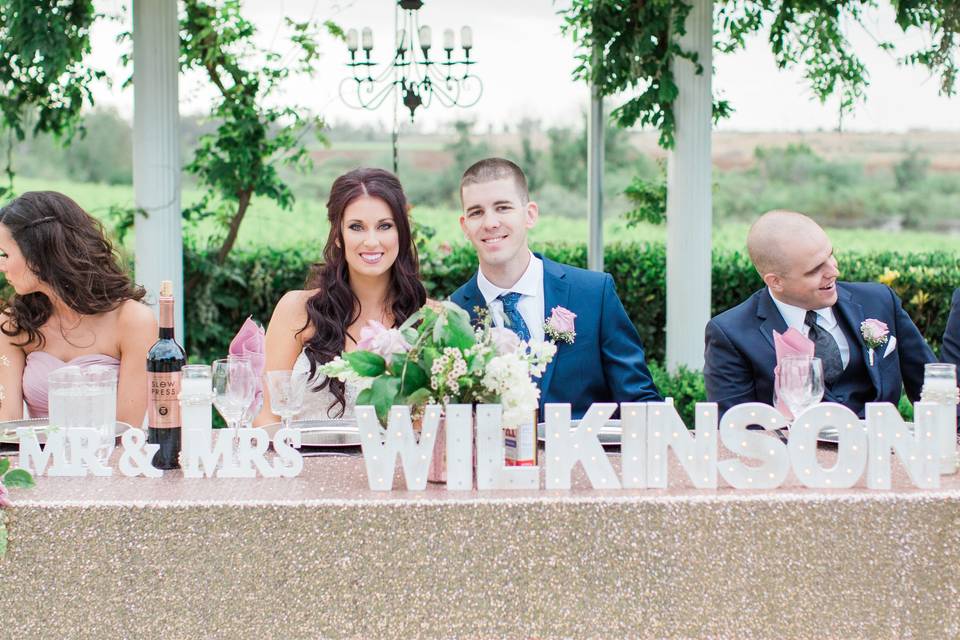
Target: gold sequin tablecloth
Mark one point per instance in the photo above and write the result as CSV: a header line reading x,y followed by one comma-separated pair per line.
x,y
322,556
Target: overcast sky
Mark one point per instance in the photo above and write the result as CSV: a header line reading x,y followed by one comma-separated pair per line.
x,y
525,64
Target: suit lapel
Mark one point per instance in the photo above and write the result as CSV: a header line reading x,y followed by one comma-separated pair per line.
x,y
770,318
473,298
556,293
852,313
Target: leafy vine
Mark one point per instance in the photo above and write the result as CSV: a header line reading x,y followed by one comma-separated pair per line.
x,y
43,74
629,46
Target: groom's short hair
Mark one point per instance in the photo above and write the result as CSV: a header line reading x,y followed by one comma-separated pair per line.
x,y
490,169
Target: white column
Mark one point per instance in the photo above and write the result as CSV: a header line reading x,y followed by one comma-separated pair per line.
x,y
689,202
595,181
156,150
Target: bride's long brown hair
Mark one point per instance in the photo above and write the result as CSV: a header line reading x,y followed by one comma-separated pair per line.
x,y
335,306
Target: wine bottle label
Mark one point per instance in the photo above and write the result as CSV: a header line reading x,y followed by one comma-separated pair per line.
x,y
163,408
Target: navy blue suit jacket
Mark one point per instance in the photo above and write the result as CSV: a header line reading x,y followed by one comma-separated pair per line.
x,y
605,363
950,351
740,358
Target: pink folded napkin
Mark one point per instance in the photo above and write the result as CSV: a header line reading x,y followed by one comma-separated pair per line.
x,y
250,342
791,343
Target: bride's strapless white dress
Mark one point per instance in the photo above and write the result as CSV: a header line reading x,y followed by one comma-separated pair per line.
x,y
321,405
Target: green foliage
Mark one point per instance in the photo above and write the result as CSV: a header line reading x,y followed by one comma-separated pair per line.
x,y
685,387
838,192
366,363
18,479
649,200
239,161
630,47
911,170
43,44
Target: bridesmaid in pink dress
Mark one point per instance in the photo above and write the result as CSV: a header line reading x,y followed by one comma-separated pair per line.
x,y
73,304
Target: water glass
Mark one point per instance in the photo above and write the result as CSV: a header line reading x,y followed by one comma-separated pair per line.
x,y
85,398
234,387
800,382
940,386
939,383
196,396
286,394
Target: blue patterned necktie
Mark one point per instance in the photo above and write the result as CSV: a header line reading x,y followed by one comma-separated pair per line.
x,y
514,320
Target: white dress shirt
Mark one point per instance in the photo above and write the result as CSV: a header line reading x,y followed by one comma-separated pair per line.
x,y
826,319
531,303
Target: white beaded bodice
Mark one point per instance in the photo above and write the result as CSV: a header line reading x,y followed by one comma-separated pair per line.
x,y
316,404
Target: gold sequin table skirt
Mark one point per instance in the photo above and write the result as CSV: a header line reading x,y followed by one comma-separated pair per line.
x,y
322,556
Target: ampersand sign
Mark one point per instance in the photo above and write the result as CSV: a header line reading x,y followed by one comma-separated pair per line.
x,y
137,454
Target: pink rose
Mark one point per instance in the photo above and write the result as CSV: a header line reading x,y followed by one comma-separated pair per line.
x,y
504,340
4,496
382,341
562,320
874,329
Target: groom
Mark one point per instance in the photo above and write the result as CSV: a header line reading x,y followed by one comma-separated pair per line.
x,y
604,362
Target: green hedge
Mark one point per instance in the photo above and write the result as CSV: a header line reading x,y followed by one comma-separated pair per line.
x,y
251,282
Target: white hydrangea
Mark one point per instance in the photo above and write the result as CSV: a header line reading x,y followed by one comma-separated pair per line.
x,y
341,370
508,376
539,356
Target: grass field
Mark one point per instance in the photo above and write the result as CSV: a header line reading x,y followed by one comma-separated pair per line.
x,y
267,224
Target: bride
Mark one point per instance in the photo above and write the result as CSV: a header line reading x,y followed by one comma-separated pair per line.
x,y
370,272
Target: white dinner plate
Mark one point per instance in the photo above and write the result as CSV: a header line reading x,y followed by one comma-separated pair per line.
x,y
8,429
322,433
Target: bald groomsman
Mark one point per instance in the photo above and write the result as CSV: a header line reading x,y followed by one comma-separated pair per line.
x,y
794,257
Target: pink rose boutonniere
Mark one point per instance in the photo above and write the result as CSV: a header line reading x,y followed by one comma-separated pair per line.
x,y
875,335
560,326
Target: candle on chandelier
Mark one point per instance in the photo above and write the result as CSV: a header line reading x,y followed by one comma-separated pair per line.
x,y
425,38
367,38
448,39
352,40
466,38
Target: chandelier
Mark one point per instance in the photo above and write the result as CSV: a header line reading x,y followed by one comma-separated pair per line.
x,y
411,75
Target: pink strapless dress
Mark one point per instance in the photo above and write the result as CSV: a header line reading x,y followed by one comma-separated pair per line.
x,y
38,367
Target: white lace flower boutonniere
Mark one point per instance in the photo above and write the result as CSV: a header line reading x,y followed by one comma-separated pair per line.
x,y
560,326
875,335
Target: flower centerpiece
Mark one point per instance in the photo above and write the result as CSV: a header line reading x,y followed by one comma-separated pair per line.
x,y
437,357
20,478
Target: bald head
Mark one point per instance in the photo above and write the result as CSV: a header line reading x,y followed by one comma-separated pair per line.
x,y
777,236
795,259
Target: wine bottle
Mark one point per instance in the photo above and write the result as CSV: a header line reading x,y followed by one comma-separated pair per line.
x,y
164,361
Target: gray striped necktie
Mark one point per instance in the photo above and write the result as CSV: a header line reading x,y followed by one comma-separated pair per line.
x,y
825,348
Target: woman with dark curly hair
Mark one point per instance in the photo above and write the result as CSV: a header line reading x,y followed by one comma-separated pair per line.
x,y
73,303
370,272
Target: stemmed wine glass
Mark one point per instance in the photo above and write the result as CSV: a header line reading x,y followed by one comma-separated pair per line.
x,y
800,382
234,387
286,394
